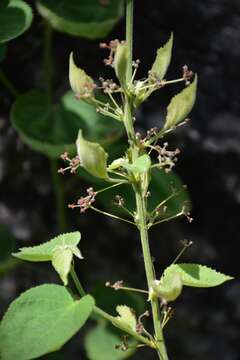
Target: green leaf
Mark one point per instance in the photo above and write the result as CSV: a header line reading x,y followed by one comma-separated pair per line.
x,y
198,275
15,19
121,62
81,84
4,3
44,252
139,166
89,19
101,342
163,59
62,260
41,321
3,50
181,105
169,287
92,157
126,316
52,130
96,127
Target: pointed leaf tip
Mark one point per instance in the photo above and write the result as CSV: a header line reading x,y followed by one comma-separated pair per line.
x,y
197,275
81,84
92,157
163,58
181,105
44,251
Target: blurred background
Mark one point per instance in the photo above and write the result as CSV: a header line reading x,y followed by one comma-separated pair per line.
x,y
33,199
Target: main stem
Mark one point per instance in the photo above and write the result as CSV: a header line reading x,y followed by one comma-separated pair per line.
x,y
141,211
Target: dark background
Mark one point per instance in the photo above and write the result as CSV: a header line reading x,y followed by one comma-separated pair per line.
x,y
207,38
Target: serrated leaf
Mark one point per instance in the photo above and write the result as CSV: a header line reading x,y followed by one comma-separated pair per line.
x,y
120,63
196,275
89,19
126,316
139,166
41,321
100,344
163,59
81,83
15,19
181,105
92,157
44,251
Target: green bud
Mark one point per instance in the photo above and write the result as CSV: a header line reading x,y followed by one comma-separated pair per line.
x,y
181,105
62,260
120,63
92,157
169,287
81,84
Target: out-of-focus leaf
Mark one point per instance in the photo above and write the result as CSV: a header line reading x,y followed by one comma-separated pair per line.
x,y
53,129
90,19
15,19
3,50
100,344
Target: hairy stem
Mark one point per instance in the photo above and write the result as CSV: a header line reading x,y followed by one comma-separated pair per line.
x,y
141,211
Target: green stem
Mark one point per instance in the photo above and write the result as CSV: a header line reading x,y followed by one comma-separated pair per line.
x,y
141,212
8,84
129,38
108,317
59,196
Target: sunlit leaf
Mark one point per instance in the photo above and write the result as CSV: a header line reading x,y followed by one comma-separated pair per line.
x,y
198,275
181,105
44,252
163,59
41,321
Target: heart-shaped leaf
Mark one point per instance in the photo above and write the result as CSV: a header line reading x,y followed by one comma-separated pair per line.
x,y
181,105
197,275
15,19
41,321
91,19
44,252
53,129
